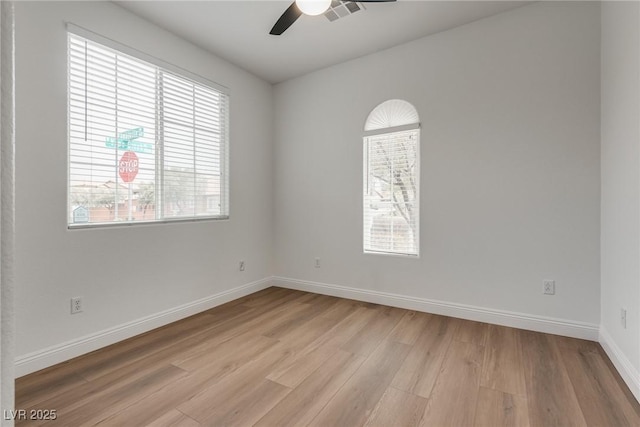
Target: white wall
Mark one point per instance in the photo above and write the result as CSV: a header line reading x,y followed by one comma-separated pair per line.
x,y
7,214
129,273
510,113
620,233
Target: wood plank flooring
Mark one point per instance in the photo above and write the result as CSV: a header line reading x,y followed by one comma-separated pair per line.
x,y
288,358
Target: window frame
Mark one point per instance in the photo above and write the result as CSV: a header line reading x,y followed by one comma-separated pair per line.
x,y
366,166
180,73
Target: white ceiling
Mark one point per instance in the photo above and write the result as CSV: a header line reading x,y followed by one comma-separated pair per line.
x,y
238,31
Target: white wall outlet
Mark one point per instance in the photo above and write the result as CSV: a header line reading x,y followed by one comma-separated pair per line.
x,y
241,266
317,264
623,317
76,305
549,287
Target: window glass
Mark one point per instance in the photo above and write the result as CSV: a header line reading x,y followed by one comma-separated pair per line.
x,y
145,143
391,189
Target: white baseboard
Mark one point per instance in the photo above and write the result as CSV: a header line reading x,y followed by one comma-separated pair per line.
x,y
629,374
50,356
531,322
44,358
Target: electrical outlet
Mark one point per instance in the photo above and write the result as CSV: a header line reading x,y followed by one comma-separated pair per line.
x,y
241,266
317,265
76,305
549,287
623,317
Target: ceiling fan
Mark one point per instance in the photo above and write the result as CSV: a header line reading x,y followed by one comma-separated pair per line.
x,y
307,7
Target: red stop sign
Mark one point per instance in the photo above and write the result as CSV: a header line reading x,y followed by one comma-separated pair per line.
x,y
128,166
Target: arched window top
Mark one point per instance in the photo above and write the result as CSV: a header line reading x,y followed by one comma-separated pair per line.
x,y
391,113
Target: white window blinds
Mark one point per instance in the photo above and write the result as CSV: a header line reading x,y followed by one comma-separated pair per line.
x,y
145,143
391,192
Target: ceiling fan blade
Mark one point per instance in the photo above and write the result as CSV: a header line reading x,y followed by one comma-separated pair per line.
x,y
288,17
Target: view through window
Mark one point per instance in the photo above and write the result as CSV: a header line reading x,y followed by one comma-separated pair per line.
x,y
391,180
145,143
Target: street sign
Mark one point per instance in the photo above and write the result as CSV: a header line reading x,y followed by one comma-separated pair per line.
x,y
126,141
128,166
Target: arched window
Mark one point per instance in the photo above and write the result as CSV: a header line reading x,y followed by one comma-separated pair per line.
x,y
392,179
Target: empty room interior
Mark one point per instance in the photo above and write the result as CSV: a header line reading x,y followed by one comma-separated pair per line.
x,y
320,213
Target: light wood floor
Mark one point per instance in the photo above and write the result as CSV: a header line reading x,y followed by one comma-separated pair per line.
x,y
281,357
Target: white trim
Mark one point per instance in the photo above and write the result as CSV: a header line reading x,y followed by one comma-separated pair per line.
x,y
629,374
41,359
531,322
392,129
44,358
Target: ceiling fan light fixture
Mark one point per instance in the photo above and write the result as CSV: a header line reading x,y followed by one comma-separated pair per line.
x,y
313,7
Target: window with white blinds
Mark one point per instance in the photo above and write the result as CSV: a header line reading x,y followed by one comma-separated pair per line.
x,y
146,143
391,190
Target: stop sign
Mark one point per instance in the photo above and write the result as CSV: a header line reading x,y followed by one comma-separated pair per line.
x,y
128,166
